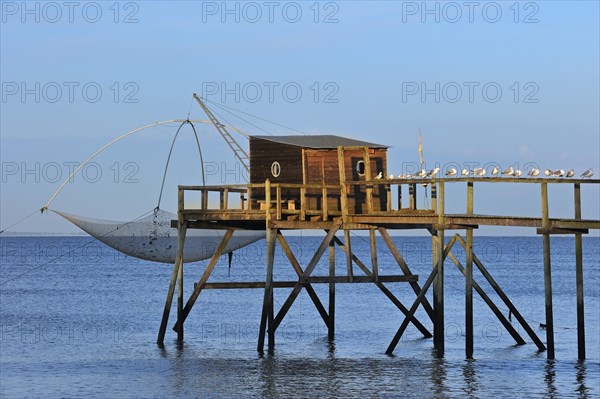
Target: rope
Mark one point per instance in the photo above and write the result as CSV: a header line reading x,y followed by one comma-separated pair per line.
x,y
254,116
19,221
73,250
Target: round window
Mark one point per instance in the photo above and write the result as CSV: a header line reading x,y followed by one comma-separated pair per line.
x,y
275,169
360,168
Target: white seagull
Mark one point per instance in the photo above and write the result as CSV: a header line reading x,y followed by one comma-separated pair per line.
x,y
533,172
510,171
390,177
588,173
558,173
548,172
479,171
517,173
422,173
433,172
451,172
379,176
570,173
495,170
464,172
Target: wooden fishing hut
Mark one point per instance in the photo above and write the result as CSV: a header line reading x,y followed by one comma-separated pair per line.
x,y
334,184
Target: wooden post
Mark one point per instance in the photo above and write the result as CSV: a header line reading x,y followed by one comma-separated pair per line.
x,y
204,199
278,201
412,193
343,188
180,285
369,187
303,203
439,327
469,279
348,254
547,274
267,310
433,197
399,196
331,330
324,205
388,200
249,198
373,241
579,279
181,232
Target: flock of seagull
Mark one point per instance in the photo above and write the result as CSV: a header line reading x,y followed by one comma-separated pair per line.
x,y
480,172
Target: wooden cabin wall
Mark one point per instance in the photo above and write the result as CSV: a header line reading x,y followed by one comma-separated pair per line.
x,y
262,155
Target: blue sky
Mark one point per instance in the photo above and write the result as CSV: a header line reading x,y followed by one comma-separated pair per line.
x,y
364,60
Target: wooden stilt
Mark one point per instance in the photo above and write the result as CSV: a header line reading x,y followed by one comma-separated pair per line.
x,y
504,298
405,269
307,286
307,272
178,262
267,311
579,279
469,280
438,285
348,253
547,275
412,311
180,288
511,330
200,284
373,242
331,326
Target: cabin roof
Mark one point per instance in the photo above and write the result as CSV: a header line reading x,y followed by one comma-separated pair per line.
x,y
320,141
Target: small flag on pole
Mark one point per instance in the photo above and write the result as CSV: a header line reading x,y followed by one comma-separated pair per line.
x,y
421,148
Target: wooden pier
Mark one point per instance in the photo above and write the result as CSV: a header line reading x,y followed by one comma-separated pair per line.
x,y
366,204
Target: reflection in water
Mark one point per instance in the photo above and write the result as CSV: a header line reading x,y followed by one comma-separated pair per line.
x,y
438,375
581,388
470,376
550,379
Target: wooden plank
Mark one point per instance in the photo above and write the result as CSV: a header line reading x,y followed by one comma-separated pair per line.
x,y
504,297
207,272
438,290
167,309
369,188
344,192
405,269
307,272
278,201
324,204
579,278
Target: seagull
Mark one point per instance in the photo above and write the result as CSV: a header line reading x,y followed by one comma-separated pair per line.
x,y
464,172
422,173
570,173
558,173
533,172
588,173
517,173
451,172
390,177
548,172
479,171
495,170
510,171
433,172
379,176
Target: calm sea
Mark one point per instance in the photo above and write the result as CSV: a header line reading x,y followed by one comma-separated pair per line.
x,y
79,319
